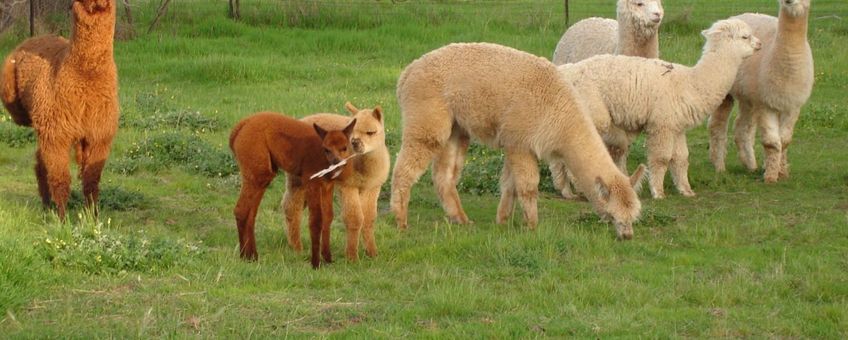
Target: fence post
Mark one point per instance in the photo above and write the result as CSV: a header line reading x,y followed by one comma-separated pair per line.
x,y
566,13
32,18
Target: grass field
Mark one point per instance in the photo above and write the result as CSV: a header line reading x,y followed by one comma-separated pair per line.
x,y
742,259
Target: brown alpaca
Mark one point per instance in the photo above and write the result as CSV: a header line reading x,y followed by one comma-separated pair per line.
x,y
68,92
267,142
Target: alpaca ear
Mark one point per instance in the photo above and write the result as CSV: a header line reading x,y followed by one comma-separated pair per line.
x,y
321,132
602,189
350,108
349,128
638,177
378,113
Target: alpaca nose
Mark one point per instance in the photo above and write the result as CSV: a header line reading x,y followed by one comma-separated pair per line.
x,y
656,18
357,143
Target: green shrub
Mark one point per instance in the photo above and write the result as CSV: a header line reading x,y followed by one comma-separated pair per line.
x,y
114,199
13,135
482,172
94,247
185,150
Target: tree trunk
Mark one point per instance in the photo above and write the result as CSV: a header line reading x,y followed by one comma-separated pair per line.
x,y
235,9
159,14
130,21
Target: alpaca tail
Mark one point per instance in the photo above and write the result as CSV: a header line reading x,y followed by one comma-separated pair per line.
x,y
9,93
235,132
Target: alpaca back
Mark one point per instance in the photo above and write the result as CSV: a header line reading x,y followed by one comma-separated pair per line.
x,y
498,94
28,75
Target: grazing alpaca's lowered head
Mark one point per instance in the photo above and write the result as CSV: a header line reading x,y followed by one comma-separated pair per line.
x,y
68,92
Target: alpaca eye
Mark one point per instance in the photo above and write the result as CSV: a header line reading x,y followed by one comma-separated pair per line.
x,y
746,37
371,133
344,149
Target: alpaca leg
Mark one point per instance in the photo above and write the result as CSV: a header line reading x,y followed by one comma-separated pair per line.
x,y
56,159
93,160
787,127
411,163
744,132
507,203
562,182
326,221
718,134
524,170
353,220
618,145
313,201
245,213
368,201
660,149
294,201
41,177
770,134
447,167
680,166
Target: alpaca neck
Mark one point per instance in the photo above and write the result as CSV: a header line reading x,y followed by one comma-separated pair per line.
x,y
581,149
636,40
92,47
713,77
791,35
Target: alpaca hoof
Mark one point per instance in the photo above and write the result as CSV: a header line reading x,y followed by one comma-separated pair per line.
x,y
659,196
371,253
250,256
688,193
625,237
771,179
460,220
352,257
297,247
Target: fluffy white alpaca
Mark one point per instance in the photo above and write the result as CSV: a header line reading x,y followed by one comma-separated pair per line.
x,y
510,100
634,33
771,88
627,95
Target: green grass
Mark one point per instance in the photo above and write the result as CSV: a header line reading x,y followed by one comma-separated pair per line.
x,y
742,259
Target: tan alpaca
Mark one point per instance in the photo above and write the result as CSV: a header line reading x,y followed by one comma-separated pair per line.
x,y
360,189
771,88
68,92
510,100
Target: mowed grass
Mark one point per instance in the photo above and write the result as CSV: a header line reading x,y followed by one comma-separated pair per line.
x,y
740,259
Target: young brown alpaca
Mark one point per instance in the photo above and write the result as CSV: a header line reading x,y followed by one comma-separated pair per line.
x,y
267,142
68,92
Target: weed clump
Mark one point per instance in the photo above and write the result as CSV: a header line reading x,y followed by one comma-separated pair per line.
x,y
175,149
15,136
95,248
482,172
114,199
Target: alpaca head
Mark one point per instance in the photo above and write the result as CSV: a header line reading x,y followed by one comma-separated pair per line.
x,y
369,133
336,143
795,8
617,200
732,34
642,13
94,12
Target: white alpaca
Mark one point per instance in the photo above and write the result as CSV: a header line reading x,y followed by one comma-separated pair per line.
x,y
771,88
506,99
634,33
627,95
